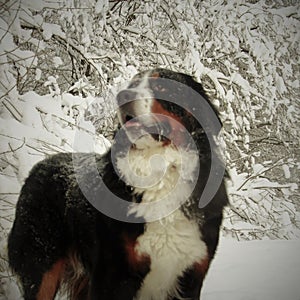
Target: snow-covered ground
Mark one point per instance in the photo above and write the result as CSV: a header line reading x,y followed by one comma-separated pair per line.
x,y
256,270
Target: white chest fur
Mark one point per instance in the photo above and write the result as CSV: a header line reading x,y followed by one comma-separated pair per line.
x,y
165,176
174,244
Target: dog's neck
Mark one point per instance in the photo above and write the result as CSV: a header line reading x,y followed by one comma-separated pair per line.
x,y
159,172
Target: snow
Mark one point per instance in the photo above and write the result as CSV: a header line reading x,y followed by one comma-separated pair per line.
x,y
257,270
51,29
286,170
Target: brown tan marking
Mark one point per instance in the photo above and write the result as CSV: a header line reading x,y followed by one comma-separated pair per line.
x,y
155,75
177,135
137,262
201,267
51,281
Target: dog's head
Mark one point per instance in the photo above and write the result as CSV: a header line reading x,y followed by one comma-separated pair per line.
x,y
170,125
160,104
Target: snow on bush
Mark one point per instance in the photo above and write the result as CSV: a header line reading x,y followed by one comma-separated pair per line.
x,y
61,64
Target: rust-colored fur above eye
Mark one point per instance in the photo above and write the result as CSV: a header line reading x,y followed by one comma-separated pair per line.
x,y
177,134
60,241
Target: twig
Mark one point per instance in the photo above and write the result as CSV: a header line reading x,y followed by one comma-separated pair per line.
x,y
11,137
13,110
13,150
136,31
260,173
9,194
12,21
9,163
67,45
173,20
238,213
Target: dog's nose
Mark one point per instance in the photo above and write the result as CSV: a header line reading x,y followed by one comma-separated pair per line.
x,y
126,96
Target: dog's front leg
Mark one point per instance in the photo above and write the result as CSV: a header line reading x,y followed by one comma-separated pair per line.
x,y
191,282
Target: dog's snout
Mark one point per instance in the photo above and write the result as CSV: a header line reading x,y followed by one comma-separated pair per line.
x,y
126,96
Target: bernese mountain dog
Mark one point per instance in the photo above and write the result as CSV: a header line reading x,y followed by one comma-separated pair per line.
x,y
133,223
